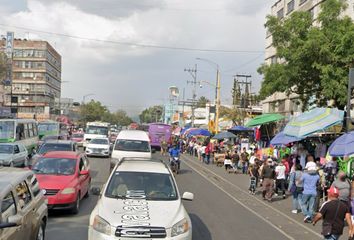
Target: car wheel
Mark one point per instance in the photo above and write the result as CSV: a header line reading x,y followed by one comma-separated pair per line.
x,y
41,231
76,207
88,191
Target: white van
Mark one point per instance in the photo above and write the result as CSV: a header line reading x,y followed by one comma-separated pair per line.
x,y
131,143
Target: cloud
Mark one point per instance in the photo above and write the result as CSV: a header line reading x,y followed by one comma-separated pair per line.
x,y
131,77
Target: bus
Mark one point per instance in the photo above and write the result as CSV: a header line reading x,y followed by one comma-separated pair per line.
x,y
24,131
52,128
159,132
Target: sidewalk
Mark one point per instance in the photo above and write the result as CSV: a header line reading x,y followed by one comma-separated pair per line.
x,y
279,208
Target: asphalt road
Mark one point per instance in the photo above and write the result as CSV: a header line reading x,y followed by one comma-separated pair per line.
x,y
222,208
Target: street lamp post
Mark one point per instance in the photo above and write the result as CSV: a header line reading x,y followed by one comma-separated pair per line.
x,y
87,95
217,92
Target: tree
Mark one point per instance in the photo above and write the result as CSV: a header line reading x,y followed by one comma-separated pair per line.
x,y
3,66
202,102
315,58
93,111
151,114
234,114
121,118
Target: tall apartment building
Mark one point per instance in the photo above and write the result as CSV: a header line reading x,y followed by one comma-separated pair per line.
x,y
280,102
284,8
36,77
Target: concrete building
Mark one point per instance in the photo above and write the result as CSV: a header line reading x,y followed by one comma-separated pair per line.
x,y
284,8
36,81
280,102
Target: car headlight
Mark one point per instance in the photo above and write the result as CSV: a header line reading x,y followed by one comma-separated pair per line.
x,y
180,228
68,191
101,225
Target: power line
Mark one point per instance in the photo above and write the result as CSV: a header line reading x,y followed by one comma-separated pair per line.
x,y
132,43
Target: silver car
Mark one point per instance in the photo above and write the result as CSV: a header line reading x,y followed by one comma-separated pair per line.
x,y
13,155
23,210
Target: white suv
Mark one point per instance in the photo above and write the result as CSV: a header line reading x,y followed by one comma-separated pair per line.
x,y
140,200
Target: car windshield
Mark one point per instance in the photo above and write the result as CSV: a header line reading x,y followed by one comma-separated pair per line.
x,y
55,166
45,138
50,147
97,130
7,149
99,141
149,186
132,145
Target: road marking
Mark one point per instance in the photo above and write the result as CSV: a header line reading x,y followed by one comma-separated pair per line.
x,y
240,189
243,205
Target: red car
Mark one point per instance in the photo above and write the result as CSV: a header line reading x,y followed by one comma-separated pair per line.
x,y
78,138
64,178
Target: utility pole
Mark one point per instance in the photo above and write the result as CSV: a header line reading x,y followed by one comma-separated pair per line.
x,y
245,98
193,73
218,102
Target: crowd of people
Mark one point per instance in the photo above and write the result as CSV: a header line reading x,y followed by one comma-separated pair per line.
x,y
307,180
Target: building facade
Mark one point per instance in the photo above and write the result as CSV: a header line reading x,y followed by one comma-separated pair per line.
x,y
284,8
36,79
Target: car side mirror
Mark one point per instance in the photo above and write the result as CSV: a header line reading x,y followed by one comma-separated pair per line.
x,y
16,219
84,172
96,191
188,196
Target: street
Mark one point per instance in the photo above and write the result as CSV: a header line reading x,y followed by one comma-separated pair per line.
x,y
222,207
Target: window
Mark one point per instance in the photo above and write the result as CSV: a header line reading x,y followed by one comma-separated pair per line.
x,y
16,149
8,206
20,132
280,13
30,130
34,185
55,166
132,145
23,194
291,6
302,1
82,165
26,131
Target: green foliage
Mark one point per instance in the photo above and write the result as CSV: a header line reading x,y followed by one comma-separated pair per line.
x,y
315,57
202,101
151,114
234,114
95,111
2,66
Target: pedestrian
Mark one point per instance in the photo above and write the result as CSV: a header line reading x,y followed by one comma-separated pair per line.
x,y
208,149
244,160
333,212
309,179
280,179
296,188
235,159
343,185
254,175
267,176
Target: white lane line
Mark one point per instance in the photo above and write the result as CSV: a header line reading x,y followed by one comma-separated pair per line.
x,y
243,205
267,205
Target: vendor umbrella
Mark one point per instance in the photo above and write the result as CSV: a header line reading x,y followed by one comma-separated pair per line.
x,y
342,146
282,139
240,129
199,132
264,118
312,121
224,135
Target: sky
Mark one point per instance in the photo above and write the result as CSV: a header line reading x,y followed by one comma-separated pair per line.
x,y
129,52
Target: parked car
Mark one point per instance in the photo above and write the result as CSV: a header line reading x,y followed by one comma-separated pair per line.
x,y
24,213
98,147
65,179
78,138
13,155
54,145
140,200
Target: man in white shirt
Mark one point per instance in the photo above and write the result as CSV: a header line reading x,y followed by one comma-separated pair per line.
x,y
280,178
252,160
